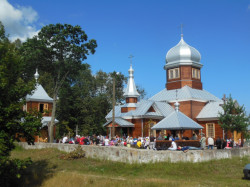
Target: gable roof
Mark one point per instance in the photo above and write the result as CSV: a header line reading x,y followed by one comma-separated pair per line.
x,y
176,121
162,109
211,111
39,95
184,93
121,122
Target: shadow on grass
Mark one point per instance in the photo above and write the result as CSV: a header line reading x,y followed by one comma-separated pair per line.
x,y
36,173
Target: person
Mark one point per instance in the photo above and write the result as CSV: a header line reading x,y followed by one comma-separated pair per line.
x,y
171,137
106,141
210,142
165,137
194,137
228,145
152,139
160,137
173,146
218,143
186,148
139,144
239,143
203,142
65,139
177,137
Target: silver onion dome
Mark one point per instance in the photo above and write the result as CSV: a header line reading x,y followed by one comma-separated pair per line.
x,y
183,54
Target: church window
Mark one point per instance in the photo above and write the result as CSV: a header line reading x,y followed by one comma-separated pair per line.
x,y
210,130
43,107
195,73
173,73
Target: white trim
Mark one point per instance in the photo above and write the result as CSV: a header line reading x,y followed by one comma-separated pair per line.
x,y
187,99
208,119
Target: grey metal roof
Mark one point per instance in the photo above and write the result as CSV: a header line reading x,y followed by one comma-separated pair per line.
x,y
39,95
177,121
161,109
121,122
46,120
164,108
184,93
131,90
182,54
211,110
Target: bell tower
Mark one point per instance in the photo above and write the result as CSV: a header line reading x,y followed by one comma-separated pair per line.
x,y
131,93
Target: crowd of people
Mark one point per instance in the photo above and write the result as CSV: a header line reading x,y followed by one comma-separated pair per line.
x,y
140,142
150,142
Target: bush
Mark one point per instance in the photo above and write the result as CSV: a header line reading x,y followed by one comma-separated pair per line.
x,y
11,171
76,154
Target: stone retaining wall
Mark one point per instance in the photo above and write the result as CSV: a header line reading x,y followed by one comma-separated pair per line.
x,y
131,155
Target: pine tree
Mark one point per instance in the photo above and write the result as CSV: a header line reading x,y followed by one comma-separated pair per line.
x,y
234,117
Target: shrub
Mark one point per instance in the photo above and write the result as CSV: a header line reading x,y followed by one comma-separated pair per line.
x,y
76,154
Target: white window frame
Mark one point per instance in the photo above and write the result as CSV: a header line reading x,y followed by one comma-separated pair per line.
x,y
175,72
196,73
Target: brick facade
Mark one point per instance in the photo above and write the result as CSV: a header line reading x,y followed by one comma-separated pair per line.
x,y
184,79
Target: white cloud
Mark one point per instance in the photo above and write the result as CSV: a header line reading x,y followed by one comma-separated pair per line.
x,y
18,21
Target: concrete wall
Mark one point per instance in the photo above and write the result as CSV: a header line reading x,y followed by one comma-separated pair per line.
x,y
131,155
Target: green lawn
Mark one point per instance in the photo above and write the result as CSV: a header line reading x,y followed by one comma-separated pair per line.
x,y
48,170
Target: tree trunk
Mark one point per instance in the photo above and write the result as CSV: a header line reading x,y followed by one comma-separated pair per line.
x,y
52,123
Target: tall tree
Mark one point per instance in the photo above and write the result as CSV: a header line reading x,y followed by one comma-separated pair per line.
x,y
86,102
13,89
58,50
234,117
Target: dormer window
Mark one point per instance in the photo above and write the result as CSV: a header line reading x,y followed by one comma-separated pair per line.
x,y
174,73
196,73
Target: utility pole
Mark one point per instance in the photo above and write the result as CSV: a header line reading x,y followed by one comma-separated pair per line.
x,y
113,111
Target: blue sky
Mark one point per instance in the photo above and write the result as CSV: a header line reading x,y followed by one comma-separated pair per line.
x,y
219,30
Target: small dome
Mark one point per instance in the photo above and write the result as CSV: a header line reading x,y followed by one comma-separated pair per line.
x,y
183,54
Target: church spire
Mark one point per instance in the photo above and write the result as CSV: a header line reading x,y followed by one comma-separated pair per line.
x,y
131,90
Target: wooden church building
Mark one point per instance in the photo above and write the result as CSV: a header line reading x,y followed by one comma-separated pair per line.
x,y
40,101
182,108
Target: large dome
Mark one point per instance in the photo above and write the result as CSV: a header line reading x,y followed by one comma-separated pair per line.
x,y
183,54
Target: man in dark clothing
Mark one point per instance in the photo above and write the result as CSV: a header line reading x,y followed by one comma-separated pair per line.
x,y
218,143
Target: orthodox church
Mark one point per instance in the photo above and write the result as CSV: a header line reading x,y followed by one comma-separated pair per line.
x,y
182,108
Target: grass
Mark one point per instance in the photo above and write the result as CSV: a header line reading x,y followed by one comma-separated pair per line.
x,y
48,170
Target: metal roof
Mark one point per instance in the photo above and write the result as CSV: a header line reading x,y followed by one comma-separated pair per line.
x,y
184,93
121,122
182,54
131,90
211,110
177,121
162,109
46,120
39,95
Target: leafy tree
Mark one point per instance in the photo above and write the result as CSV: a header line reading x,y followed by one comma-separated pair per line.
x,y
234,117
13,88
58,50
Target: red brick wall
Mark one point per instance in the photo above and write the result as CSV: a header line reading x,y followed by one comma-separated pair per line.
x,y
34,105
131,100
127,109
185,79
